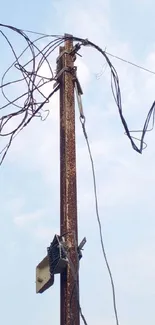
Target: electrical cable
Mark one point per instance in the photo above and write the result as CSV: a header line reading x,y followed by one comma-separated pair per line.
x,y
129,62
32,106
117,96
110,54
82,120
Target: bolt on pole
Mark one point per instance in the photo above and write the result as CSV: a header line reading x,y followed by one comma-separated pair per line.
x,y
69,282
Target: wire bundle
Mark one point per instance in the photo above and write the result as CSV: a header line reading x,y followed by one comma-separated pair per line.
x,y
116,91
34,98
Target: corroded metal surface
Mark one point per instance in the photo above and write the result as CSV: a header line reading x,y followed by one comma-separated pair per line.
x,y
68,205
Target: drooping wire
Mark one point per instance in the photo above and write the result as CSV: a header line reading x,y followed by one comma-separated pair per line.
x,y
32,105
83,124
115,86
110,54
83,120
22,126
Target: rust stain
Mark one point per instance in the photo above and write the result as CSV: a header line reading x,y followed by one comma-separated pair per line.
x,y
68,190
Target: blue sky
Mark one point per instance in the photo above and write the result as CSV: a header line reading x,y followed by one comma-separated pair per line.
x,y
29,177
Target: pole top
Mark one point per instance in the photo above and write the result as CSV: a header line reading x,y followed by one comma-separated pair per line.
x,y
68,35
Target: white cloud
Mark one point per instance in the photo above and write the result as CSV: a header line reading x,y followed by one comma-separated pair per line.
x,y
27,219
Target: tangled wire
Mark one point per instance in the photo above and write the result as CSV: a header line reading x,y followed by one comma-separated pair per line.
x,y
33,96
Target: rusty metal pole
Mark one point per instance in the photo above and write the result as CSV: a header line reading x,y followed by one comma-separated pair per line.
x,y
69,302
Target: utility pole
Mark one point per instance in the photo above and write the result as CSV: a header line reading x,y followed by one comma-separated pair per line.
x,y
69,290
64,253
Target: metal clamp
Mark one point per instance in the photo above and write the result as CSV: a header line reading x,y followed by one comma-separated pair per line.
x,y
59,74
79,92
75,50
61,54
80,247
77,81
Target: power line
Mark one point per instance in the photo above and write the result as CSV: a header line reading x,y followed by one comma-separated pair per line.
x,y
116,91
110,54
31,106
82,119
42,34
129,62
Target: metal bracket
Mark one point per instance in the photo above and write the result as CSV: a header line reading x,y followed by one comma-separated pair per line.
x,y
80,247
77,82
59,74
76,48
44,280
83,242
61,54
79,92
74,51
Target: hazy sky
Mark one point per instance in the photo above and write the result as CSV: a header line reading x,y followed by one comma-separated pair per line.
x,y
29,177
